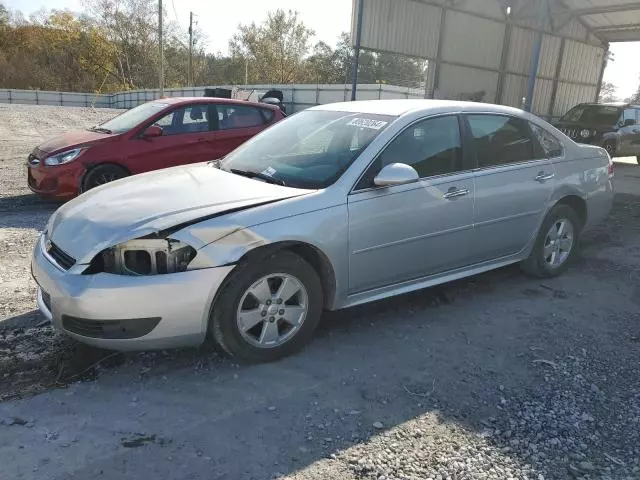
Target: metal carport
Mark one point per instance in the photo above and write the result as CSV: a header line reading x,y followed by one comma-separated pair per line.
x,y
544,55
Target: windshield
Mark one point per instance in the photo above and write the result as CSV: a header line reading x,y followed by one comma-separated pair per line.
x,y
132,118
310,149
593,115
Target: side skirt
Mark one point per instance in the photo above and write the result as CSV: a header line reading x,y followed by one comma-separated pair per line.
x,y
381,293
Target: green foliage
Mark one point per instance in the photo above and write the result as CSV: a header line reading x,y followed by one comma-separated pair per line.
x,y
607,93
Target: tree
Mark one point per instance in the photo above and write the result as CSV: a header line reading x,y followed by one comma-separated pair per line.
x,y
4,15
635,98
607,93
275,49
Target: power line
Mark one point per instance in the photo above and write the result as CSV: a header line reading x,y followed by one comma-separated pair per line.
x,y
175,13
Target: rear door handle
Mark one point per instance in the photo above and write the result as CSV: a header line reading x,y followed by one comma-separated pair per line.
x,y
455,193
543,177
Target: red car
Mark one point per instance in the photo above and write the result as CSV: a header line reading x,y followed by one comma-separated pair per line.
x,y
158,134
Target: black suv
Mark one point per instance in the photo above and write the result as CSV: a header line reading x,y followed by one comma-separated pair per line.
x,y
614,126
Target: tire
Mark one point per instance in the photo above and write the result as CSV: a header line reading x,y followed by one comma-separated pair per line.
x,y
244,291
538,264
102,174
610,147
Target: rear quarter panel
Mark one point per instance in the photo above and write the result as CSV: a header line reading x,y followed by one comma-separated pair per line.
x,y
583,171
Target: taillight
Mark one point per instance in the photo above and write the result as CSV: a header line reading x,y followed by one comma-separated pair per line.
x,y
612,168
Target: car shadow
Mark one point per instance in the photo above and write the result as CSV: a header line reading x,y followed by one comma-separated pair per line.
x,y
26,211
25,320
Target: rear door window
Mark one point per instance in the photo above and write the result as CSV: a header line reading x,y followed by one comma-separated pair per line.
x,y
549,143
500,140
268,114
238,116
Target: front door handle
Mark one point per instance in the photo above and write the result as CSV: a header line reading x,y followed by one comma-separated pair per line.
x,y
543,177
455,193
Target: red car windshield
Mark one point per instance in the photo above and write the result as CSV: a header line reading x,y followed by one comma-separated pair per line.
x,y
131,118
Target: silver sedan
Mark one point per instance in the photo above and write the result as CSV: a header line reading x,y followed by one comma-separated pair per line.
x,y
335,206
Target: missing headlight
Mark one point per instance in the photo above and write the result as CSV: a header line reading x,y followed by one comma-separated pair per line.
x,y
144,257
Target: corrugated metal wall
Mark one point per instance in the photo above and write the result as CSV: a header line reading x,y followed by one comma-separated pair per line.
x,y
479,49
409,26
481,38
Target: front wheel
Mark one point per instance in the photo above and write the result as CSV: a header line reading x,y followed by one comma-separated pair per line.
x,y
610,147
102,174
267,310
556,243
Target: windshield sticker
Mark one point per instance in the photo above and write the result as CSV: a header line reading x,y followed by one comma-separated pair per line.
x,y
367,123
269,171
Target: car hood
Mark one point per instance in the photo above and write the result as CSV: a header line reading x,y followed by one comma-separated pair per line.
x,y
581,125
72,139
144,204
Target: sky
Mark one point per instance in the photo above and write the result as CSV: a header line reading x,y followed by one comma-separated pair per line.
x,y
219,20
328,18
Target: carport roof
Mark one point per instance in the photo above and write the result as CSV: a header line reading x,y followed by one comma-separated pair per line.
x,y
609,20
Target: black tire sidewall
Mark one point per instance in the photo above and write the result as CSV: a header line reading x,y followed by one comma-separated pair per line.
x,y
611,144
222,319
97,170
537,254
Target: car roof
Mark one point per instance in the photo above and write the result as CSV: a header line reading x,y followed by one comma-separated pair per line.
x,y
401,107
218,100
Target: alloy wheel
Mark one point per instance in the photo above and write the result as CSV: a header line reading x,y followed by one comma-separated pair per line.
x,y
558,243
272,310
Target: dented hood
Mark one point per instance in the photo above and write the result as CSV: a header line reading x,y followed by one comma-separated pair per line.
x,y
148,203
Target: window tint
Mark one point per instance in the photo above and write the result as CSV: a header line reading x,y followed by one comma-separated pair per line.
x,y
268,114
165,121
550,144
195,118
431,146
628,114
190,119
500,139
238,116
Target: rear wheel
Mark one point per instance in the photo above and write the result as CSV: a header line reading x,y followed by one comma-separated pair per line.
x,y
267,310
102,174
556,243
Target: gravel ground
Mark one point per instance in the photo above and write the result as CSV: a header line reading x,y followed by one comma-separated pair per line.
x,y
495,377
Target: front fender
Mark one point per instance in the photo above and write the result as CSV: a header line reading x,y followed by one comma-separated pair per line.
x,y
326,230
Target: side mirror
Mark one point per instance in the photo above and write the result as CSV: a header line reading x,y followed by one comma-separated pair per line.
x,y
152,132
396,174
628,122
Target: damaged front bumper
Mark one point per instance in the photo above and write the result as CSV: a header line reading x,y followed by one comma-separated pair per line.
x,y
124,312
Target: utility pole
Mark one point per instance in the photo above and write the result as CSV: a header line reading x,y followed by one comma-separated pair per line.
x,y
160,41
246,71
356,51
191,49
